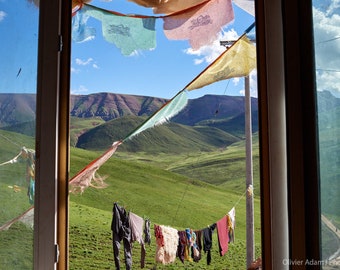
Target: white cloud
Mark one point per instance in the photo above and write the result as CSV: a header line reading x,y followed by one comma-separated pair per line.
x,y
81,62
252,84
80,91
209,53
2,15
327,47
74,70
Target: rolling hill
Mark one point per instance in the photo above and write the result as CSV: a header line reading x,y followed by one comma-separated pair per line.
x,y
146,188
223,112
175,174
170,138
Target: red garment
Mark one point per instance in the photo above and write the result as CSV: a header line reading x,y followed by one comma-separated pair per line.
x,y
223,237
159,235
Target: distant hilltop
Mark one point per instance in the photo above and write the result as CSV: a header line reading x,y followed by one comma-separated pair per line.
x,y
20,108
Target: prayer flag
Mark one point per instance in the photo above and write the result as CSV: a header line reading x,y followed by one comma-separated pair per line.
x,y
201,24
168,6
128,33
86,176
238,61
28,214
80,31
168,110
246,5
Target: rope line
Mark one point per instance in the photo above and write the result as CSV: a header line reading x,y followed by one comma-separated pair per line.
x,y
3,136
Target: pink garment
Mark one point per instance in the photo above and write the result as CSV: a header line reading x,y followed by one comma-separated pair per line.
x,y
167,244
223,237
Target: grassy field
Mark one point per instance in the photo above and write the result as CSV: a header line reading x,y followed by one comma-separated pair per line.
x,y
179,190
166,198
148,185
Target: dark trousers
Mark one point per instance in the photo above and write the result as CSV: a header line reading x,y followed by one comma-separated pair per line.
x,y
127,250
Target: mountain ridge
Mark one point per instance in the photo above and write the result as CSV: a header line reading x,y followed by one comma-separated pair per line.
x,y
18,110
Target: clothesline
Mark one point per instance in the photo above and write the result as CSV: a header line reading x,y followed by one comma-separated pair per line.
x,y
170,242
236,61
14,143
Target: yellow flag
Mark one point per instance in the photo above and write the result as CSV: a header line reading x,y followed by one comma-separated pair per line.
x,y
238,61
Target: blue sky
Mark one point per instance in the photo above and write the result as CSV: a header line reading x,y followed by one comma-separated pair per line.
x,y
98,66
18,46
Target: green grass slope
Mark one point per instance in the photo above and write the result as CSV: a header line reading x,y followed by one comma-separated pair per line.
x,y
168,138
224,167
79,126
163,196
16,244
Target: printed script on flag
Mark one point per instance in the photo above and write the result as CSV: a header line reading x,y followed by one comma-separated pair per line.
x,y
127,33
201,24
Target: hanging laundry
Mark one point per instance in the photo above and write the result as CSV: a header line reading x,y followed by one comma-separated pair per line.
x,y
80,31
237,61
182,243
167,243
147,234
200,25
128,33
207,241
168,6
121,231
136,225
189,245
231,224
222,233
195,251
198,244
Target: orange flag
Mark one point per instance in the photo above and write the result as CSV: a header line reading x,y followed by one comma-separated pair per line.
x,y
168,6
238,61
87,176
200,24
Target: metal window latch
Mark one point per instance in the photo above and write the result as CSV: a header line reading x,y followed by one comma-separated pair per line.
x,y
60,43
56,248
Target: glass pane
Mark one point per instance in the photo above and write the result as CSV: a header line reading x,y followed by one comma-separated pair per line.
x,y
327,50
188,173
18,69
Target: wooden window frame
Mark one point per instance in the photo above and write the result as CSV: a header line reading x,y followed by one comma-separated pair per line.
x,y
288,134
52,136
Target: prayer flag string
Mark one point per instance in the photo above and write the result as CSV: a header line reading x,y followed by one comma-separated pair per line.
x,y
84,178
199,24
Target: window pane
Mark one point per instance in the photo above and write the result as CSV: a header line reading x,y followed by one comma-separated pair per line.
x,y
18,69
186,174
327,49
